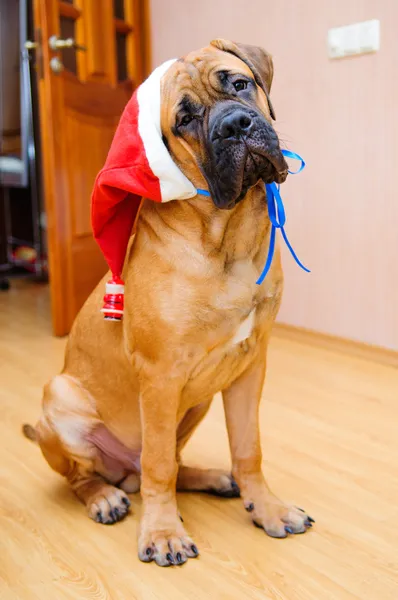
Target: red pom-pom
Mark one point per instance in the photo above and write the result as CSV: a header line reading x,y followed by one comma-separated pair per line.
x,y
114,300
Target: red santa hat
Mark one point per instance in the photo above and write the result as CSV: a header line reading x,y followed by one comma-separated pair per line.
x,y
138,165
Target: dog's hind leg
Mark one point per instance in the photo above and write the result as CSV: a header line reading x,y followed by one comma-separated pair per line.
x,y
64,434
212,481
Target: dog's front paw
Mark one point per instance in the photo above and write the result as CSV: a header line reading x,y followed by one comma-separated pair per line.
x,y
277,519
165,541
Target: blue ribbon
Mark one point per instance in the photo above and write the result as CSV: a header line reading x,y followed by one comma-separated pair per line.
x,y
277,215
290,154
203,193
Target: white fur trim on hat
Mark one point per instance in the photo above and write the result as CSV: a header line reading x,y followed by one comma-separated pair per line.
x,y
173,183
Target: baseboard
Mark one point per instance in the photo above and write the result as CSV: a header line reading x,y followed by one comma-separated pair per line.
x,y
337,344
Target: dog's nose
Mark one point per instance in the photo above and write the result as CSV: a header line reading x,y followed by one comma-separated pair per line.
x,y
236,124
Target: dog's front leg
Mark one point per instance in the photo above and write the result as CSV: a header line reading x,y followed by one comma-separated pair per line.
x,y
241,405
162,535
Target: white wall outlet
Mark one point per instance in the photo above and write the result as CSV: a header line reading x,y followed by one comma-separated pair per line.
x,y
358,38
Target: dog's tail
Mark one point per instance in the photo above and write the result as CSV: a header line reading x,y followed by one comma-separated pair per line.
x,y
29,432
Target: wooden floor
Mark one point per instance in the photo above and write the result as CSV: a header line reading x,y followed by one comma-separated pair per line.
x,y
330,438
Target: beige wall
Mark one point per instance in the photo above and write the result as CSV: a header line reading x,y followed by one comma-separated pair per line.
x,y
342,116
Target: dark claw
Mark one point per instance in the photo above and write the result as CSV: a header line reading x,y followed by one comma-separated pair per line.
x,y
181,519
289,530
179,558
311,520
116,513
194,550
307,522
126,501
170,558
235,487
98,518
249,507
298,508
257,525
112,516
149,552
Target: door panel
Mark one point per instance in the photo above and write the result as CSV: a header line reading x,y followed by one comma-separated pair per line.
x,y
88,139
80,107
100,65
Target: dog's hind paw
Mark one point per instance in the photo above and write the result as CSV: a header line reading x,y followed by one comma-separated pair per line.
x,y
226,487
109,505
210,481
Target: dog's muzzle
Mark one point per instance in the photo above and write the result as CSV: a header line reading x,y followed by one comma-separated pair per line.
x,y
243,148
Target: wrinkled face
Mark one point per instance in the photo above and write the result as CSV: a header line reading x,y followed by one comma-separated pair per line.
x,y
216,121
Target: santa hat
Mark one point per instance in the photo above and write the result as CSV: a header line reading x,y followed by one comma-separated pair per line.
x,y
138,165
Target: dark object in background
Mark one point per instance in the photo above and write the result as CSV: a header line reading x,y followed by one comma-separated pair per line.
x,y
21,234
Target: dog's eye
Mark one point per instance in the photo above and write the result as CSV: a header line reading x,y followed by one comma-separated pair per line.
x,y
240,85
186,120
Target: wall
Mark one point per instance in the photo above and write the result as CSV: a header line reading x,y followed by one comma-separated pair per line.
x,y
342,116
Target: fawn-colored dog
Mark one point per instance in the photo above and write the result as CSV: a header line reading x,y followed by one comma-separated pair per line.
x,y
132,393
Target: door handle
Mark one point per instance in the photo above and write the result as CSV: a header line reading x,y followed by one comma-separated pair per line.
x,y
56,65
57,43
29,45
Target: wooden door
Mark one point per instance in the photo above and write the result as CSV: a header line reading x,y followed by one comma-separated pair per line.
x,y
82,92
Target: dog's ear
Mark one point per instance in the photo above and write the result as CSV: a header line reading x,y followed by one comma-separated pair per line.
x,y
258,61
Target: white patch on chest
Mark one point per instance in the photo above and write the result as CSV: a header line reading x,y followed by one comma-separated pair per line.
x,y
245,328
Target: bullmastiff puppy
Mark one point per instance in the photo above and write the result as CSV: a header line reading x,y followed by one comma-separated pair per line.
x,y
131,394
